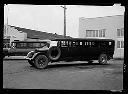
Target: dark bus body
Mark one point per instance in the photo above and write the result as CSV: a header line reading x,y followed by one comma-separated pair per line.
x,y
74,49
85,48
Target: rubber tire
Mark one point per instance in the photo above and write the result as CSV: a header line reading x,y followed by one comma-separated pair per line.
x,y
31,63
42,66
101,57
58,55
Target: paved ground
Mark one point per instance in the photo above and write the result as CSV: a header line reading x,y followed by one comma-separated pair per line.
x,y
77,75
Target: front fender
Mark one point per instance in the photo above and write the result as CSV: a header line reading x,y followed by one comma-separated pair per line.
x,y
35,55
39,53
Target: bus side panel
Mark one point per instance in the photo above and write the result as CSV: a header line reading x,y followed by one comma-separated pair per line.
x,y
91,50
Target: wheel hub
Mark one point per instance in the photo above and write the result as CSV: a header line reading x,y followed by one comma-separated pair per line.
x,y
41,62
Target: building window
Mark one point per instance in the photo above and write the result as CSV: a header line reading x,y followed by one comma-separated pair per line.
x,y
120,32
95,33
100,33
120,44
87,33
103,33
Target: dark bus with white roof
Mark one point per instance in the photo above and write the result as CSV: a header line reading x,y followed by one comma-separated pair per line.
x,y
72,49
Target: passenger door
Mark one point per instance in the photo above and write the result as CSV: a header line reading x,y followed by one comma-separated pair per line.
x,y
64,49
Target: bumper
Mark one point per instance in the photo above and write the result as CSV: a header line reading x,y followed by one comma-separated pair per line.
x,y
28,58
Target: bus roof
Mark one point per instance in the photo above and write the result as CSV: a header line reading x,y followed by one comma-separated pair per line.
x,y
84,39
68,39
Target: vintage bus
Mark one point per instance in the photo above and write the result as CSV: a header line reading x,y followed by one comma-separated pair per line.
x,y
73,48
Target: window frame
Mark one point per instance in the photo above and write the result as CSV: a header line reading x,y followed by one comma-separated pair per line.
x,y
120,44
95,33
120,32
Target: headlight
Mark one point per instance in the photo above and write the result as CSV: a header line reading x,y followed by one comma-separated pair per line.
x,y
30,54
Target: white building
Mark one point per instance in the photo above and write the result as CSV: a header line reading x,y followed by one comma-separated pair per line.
x,y
12,34
104,27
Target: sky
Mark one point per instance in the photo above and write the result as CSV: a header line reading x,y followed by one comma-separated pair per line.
x,y
50,18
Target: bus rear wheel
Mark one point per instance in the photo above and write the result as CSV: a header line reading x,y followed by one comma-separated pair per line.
x,y
103,59
41,62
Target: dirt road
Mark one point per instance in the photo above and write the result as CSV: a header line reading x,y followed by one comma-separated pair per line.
x,y
77,75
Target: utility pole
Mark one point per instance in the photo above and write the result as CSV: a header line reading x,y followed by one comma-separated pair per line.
x,y
6,25
64,19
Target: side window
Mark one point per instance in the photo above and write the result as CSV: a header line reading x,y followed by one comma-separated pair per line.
x,y
85,43
80,43
110,43
64,43
70,43
75,43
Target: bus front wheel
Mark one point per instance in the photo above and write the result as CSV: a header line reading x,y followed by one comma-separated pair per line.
x,y
41,62
103,59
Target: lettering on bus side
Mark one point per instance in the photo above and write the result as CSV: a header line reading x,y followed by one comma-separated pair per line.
x,y
89,44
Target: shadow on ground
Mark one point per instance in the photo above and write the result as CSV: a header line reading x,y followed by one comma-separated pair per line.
x,y
78,65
